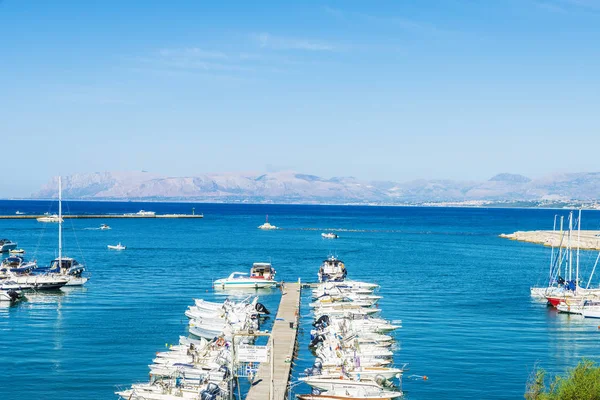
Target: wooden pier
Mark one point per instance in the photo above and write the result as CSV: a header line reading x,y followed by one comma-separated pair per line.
x,y
106,216
283,337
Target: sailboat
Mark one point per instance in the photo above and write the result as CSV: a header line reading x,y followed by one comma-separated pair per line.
x,y
66,267
267,226
569,290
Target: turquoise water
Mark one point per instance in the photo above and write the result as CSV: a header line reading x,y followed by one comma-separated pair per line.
x,y
461,292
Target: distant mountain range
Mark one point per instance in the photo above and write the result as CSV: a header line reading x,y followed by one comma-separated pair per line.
x,y
293,187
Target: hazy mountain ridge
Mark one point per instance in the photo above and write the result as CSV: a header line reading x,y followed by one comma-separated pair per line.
x,y
292,187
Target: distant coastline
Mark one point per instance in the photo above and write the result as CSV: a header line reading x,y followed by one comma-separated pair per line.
x,y
590,206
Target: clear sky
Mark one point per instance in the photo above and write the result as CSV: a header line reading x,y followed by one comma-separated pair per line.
x,y
395,90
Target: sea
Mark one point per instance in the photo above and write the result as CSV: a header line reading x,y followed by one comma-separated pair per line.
x,y
469,327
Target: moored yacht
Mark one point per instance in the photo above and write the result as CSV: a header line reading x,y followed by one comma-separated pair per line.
x,y
7,245
65,268
16,265
262,275
50,218
332,269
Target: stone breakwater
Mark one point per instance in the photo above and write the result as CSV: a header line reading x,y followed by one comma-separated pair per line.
x,y
588,240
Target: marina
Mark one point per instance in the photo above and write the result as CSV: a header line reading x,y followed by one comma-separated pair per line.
x,y
434,270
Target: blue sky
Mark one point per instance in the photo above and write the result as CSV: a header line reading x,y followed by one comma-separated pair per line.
x,y
398,90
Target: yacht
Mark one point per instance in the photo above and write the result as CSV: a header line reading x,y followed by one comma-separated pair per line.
x,y
267,226
143,213
16,265
332,269
7,245
329,235
262,275
70,268
65,268
50,218
116,247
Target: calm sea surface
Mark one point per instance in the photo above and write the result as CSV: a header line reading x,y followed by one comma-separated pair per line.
x,y
461,292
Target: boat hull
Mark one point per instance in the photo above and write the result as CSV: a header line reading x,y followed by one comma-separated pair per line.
x,y
244,284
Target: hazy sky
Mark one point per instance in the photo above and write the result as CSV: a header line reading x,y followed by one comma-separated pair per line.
x,y
374,89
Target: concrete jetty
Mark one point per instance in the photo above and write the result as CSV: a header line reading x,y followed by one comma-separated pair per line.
x,y
283,337
588,240
106,216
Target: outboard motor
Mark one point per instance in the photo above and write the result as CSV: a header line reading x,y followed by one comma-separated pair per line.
x,y
204,395
383,382
225,370
318,365
318,339
260,307
322,319
13,294
213,388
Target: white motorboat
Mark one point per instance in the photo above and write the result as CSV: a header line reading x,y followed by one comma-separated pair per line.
x,y
346,384
19,213
262,275
7,245
104,227
39,282
591,312
17,251
50,218
116,247
16,264
353,394
329,235
10,292
332,269
209,305
267,226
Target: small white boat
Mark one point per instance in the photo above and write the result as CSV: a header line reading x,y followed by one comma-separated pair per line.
x,y
50,218
19,213
17,251
329,235
7,245
116,247
104,227
262,275
591,313
267,226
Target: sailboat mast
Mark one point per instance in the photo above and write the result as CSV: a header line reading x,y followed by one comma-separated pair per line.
x,y
578,245
570,248
59,221
552,253
560,247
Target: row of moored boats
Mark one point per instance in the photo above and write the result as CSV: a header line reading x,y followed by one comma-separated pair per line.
x,y
199,367
352,343
566,290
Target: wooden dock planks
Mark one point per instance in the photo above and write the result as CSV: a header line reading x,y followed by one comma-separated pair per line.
x,y
284,343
